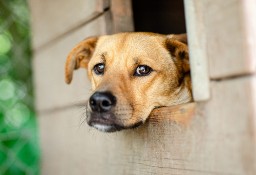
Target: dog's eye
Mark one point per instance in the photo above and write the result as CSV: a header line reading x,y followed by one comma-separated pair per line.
x,y
99,69
142,70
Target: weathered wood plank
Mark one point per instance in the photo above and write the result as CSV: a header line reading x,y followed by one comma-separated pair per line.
x,y
51,90
195,25
218,140
122,16
249,14
230,35
180,114
51,19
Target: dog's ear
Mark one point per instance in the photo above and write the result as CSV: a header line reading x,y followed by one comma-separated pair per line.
x,y
177,46
180,37
79,57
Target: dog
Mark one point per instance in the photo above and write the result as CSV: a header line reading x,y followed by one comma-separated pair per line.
x,y
131,74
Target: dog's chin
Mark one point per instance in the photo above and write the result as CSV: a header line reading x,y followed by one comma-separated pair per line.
x,y
106,128
108,125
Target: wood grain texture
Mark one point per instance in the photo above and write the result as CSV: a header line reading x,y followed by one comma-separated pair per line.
x,y
52,19
51,90
217,141
195,25
249,13
230,35
180,114
215,137
122,16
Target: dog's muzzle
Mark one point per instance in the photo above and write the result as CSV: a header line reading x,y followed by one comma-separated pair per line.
x,y
101,116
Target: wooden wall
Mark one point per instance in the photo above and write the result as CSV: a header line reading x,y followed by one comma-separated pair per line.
x,y
214,135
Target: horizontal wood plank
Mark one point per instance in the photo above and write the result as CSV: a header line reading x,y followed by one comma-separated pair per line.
x,y
180,114
51,19
217,140
230,36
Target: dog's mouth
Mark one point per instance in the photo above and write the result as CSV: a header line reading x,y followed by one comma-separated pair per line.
x,y
107,122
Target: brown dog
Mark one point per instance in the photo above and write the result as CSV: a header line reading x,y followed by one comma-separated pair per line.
x,y
131,74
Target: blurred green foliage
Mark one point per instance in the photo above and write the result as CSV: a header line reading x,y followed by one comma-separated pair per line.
x,y
19,151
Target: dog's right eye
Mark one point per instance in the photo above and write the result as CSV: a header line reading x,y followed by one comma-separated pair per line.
x,y
99,69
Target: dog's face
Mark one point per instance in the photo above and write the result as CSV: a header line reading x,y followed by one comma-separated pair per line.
x,y
131,74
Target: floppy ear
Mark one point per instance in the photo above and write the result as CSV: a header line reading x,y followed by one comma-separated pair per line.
x,y
79,57
177,46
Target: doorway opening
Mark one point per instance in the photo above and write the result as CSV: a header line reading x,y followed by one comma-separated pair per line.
x,y
162,16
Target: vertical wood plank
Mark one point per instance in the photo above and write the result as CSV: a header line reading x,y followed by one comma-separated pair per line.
x,y
197,49
122,16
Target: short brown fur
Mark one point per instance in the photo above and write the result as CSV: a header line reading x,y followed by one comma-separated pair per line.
x,y
168,84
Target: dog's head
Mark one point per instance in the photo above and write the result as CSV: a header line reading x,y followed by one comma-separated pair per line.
x,y
131,74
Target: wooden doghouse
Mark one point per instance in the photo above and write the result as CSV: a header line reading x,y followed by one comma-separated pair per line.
x,y
214,135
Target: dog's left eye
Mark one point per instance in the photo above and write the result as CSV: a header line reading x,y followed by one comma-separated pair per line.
x,y
99,69
142,70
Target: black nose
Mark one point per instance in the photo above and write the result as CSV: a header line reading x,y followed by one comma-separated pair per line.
x,y
102,101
